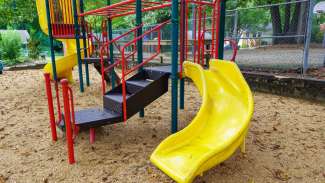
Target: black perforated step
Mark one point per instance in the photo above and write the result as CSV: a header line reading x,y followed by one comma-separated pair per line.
x,y
142,89
90,118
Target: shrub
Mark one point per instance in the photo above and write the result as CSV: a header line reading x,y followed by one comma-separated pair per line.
x,y
34,49
10,46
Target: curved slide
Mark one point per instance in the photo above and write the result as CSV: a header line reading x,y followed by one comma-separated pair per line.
x,y
219,127
65,64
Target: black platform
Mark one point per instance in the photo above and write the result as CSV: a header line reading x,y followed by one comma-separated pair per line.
x,y
142,89
96,117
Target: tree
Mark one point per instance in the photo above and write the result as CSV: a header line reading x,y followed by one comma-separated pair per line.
x,y
287,20
17,14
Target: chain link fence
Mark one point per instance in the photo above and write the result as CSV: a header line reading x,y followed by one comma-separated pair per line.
x,y
276,37
271,38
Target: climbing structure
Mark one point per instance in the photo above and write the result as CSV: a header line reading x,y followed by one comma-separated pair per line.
x,y
136,86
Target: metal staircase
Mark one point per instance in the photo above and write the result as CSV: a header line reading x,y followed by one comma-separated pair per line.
x,y
141,90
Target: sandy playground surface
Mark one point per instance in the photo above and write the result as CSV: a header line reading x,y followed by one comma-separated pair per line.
x,y
286,141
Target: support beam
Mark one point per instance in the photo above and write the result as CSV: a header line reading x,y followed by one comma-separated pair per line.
x,y
84,41
222,28
48,17
77,37
138,17
182,51
174,75
111,47
308,36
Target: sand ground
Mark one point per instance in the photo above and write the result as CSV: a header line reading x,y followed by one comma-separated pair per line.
x,y
286,141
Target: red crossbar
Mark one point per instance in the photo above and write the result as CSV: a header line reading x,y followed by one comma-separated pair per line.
x,y
125,8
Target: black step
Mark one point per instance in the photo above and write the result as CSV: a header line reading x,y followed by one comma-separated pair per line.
x,y
142,89
97,117
90,118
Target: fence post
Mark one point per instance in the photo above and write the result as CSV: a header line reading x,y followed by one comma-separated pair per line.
x,y
235,31
308,36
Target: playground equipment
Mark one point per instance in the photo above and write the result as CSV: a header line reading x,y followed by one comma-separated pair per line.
x,y
216,131
1,67
60,22
63,67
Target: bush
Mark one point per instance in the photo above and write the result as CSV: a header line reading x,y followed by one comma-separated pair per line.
x,y
10,46
34,49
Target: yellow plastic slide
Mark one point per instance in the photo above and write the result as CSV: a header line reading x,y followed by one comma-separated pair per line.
x,y
219,127
65,64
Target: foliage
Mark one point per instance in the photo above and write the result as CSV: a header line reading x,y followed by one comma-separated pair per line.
x,y
33,46
317,36
11,46
17,14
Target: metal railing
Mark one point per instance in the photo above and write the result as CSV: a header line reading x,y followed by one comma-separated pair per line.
x,y
126,71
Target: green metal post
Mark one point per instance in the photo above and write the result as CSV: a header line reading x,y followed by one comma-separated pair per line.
x,y
77,37
183,50
174,75
139,42
48,17
222,28
111,47
83,29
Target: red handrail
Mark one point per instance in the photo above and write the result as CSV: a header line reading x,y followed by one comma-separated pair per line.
x,y
126,71
102,53
234,46
232,42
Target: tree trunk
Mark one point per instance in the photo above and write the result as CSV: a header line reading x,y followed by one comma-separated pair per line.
x,y
287,17
276,23
295,18
302,21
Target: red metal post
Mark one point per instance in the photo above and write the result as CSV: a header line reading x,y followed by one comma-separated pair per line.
x,y
92,135
234,48
203,37
103,69
182,36
194,36
199,34
213,30
186,31
50,105
67,119
58,103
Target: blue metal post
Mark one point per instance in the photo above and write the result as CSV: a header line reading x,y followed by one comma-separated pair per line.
x,y
77,37
139,42
83,29
174,75
222,28
308,36
48,17
183,50
111,47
